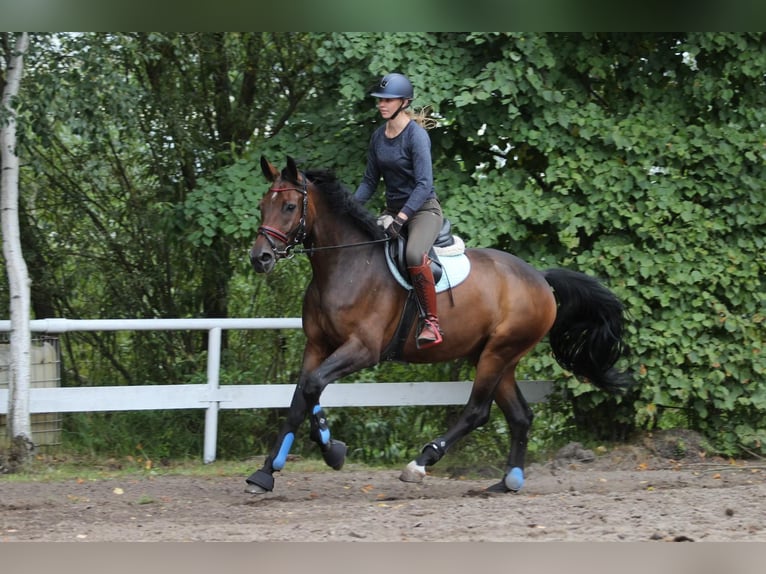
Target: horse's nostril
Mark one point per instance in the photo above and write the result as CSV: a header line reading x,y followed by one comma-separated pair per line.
x,y
261,260
255,256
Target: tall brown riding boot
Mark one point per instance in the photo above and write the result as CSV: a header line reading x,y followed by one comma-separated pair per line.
x,y
425,291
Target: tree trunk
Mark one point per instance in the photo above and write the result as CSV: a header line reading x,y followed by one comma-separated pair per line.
x,y
19,371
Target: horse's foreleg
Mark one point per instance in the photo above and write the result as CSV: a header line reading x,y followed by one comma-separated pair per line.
x,y
333,450
348,358
519,417
262,480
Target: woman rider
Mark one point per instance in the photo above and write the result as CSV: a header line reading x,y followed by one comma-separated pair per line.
x,y
400,152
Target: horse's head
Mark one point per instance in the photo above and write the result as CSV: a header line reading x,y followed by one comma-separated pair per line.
x,y
283,215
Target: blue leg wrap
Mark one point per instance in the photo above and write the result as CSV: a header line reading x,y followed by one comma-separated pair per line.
x,y
514,480
279,462
321,430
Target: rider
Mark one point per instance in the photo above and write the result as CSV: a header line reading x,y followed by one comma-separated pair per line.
x,y
400,152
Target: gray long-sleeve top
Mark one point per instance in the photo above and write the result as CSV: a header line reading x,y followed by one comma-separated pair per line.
x,y
404,162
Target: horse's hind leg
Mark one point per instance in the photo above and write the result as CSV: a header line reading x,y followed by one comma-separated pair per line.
x,y
519,418
474,414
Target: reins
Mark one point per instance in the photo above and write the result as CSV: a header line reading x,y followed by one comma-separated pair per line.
x,y
310,250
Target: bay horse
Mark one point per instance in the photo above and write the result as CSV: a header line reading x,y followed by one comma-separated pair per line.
x,y
352,307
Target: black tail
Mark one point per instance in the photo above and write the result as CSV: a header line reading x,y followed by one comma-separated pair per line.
x,y
587,336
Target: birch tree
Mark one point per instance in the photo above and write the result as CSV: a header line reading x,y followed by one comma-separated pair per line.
x,y
19,426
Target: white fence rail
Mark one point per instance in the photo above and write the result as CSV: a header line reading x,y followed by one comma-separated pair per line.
x,y
213,397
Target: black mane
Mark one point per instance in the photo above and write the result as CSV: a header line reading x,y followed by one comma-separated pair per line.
x,y
342,202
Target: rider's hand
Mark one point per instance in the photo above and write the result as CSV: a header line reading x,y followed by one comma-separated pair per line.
x,y
385,220
395,227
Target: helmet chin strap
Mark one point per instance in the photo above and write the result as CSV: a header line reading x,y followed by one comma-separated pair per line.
x,y
403,106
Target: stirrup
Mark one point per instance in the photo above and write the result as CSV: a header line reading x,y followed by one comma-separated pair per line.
x,y
424,342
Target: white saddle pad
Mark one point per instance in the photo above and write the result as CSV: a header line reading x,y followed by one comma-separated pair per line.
x,y
455,267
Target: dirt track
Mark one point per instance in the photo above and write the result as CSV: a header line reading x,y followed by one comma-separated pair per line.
x,y
621,496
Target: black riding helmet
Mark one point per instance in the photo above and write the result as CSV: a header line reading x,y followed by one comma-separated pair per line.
x,y
393,86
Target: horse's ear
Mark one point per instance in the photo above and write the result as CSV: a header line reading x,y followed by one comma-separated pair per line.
x,y
269,171
292,169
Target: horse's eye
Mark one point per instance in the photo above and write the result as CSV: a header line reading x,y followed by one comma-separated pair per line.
x,y
290,207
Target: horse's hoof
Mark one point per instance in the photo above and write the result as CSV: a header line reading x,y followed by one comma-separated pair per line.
x,y
413,472
255,489
499,487
335,455
259,482
514,480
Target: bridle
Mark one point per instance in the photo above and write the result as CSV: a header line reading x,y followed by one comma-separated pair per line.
x,y
299,233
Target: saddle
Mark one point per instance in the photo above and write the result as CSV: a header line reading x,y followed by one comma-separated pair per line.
x,y
449,270
444,240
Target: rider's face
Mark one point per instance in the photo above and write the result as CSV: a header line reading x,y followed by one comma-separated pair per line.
x,y
388,106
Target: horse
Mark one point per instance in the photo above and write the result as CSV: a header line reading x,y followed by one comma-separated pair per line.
x,y
352,308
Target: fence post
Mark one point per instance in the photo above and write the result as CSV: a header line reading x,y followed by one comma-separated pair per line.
x,y
211,412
